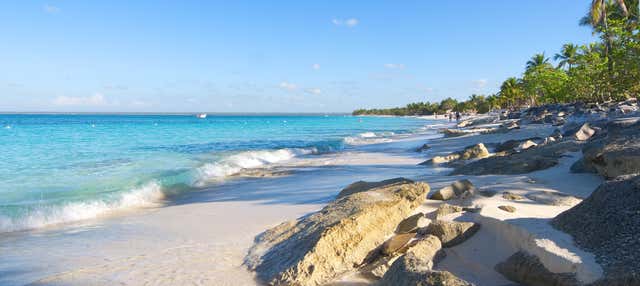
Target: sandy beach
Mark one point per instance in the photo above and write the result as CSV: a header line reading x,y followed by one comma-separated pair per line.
x,y
203,238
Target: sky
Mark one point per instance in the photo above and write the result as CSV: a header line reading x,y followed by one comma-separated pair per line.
x,y
269,56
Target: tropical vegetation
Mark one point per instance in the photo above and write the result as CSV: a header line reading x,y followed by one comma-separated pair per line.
x,y
605,70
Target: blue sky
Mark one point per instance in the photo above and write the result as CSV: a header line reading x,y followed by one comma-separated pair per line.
x,y
269,56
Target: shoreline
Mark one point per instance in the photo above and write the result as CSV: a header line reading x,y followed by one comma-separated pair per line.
x,y
204,238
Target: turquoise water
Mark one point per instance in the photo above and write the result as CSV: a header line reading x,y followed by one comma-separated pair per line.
x,y
61,168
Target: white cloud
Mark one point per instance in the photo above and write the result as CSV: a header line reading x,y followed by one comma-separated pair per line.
x,y
95,100
351,22
288,86
50,9
394,66
315,91
315,66
479,83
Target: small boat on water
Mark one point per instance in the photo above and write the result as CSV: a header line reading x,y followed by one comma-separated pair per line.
x,y
202,115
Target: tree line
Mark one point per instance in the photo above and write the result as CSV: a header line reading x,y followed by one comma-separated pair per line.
x,y
604,70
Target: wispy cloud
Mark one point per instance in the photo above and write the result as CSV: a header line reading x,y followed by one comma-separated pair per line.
x,y
50,9
95,100
351,22
315,91
315,66
479,83
394,66
288,86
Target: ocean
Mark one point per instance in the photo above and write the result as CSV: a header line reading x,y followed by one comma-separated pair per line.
x,y
60,168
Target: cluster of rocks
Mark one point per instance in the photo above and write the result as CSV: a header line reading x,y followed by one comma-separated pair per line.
x,y
369,228
477,151
558,114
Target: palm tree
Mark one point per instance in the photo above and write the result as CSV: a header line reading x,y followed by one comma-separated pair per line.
x,y
567,55
536,61
511,91
598,20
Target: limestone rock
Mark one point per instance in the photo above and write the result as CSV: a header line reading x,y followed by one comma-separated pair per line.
x,y
452,233
415,267
510,209
584,133
526,145
553,198
511,196
532,159
396,242
458,188
607,223
446,209
316,248
412,223
362,186
581,166
616,153
527,270
477,151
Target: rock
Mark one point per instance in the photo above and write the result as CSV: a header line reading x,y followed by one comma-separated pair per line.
x,y
396,242
477,151
549,140
412,223
446,209
510,209
487,193
584,133
508,145
607,224
557,134
423,148
316,248
415,267
526,145
471,152
451,233
617,152
362,186
553,198
581,167
458,188
527,269
532,159
511,196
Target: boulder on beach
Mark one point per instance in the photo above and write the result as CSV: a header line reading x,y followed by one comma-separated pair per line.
x,y
607,224
617,152
446,209
584,133
532,159
455,190
553,198
316,248
451,233
362,186
511,196
510,209
412,223
527,269
415,267
477,151
396,242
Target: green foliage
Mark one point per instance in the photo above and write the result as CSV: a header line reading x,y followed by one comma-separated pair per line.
x,y
605,70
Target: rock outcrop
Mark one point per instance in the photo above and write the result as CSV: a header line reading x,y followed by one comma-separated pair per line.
x,y
527,270
451,233
584,133
446,209
362,186
553,198
316,248
617,152
510,209
459,188
532,159
477,151
412,223
415,267
607,224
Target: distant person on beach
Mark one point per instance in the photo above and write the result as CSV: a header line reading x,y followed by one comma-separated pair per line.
x,y
457,116
450,117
